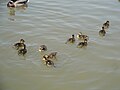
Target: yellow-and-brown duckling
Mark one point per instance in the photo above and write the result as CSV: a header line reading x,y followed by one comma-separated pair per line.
x,y
71,39
17,3
102,32
43,48
20,45
82,37
48,62
106,25
82,44
22,51
51,55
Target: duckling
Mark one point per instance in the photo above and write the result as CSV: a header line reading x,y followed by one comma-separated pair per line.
x,y
19,45
22,51
71,40
42,48
106,25
82,44
15,3
80,36
51,55
48,62
102,32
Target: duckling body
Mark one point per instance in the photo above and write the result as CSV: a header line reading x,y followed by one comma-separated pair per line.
x,y
82,37
43,48
102,32
71,40
15,3
106,25
22,51
82,44
51,55
19,45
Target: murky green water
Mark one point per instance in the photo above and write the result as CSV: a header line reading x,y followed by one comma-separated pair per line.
x,y
51,22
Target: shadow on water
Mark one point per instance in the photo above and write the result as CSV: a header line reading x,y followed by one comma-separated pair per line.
x,y
118,0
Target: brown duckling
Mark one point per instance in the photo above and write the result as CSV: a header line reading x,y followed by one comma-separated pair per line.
x,y
51,55
82,44
71,40
102,32
22,51
43,48
19,45
82,37
106,25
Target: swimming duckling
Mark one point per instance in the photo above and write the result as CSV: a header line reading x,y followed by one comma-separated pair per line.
x,y
71,40
19,45
48,62
82,37
42,48
102,32
15,3
51,55
22,51
106,25
82,44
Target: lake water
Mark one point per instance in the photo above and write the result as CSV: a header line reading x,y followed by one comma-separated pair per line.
x,y
52,22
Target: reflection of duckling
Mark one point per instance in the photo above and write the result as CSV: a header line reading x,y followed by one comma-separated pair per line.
x,y
15,3
106,25
42,48
48,62
71,40
102,32
80,36
19,45
22,51
82,44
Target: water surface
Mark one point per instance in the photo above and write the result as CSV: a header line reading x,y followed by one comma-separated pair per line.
x,y
51,22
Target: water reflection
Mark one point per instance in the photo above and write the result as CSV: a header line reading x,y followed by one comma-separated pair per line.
x,y
12,11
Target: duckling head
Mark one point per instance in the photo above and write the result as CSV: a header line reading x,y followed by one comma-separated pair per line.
x,y
42,48
44,58
107,22
103,28
22,40
72,36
